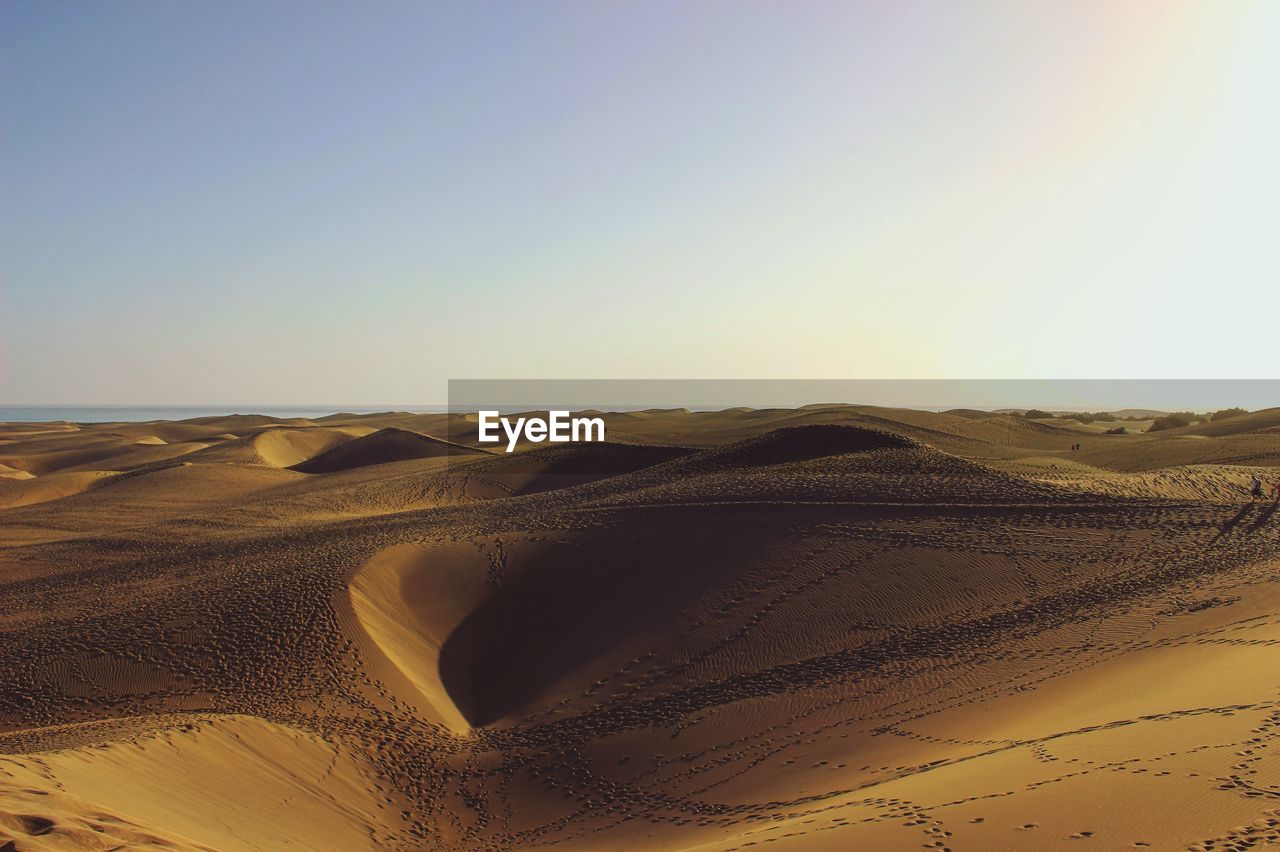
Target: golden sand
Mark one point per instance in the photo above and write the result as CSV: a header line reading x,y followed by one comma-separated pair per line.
x,y
835,627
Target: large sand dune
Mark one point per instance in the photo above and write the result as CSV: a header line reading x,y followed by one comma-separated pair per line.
x,y
381,447
834,627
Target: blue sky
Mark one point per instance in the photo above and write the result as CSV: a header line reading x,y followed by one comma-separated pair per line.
x,y
350,202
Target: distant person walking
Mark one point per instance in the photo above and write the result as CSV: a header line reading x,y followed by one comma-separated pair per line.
x,y
1255,487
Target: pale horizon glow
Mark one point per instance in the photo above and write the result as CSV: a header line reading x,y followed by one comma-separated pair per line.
x,y
276,203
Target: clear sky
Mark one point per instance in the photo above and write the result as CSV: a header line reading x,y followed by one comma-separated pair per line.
x,y
301,202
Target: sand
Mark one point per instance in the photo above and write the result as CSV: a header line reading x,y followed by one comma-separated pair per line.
x,y
382,447
835,627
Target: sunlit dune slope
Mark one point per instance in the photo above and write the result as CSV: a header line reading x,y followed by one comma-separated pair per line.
x,y
409,600
24,492
235,782
279,447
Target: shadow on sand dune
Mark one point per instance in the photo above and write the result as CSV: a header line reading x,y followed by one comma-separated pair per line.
x,y
1264,516
574,600
1233,522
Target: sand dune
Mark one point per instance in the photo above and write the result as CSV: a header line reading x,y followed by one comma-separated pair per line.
x,y
553,468
280,447
292,787
1256,421
36,818
289,447
42,463
140,456
836,627
54,486
409,600
7,472
385,445
243,422
972,413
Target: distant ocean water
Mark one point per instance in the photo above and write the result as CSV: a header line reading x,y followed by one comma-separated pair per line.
x,y
144,413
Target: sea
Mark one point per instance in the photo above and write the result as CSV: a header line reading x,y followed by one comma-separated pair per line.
x,y
146,413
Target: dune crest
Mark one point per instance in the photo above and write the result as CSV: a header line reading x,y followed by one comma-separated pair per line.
x,y
289,447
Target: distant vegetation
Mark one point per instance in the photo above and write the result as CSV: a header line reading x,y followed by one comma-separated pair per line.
x,y
1176,420
1091,416
1173,420
1081,416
